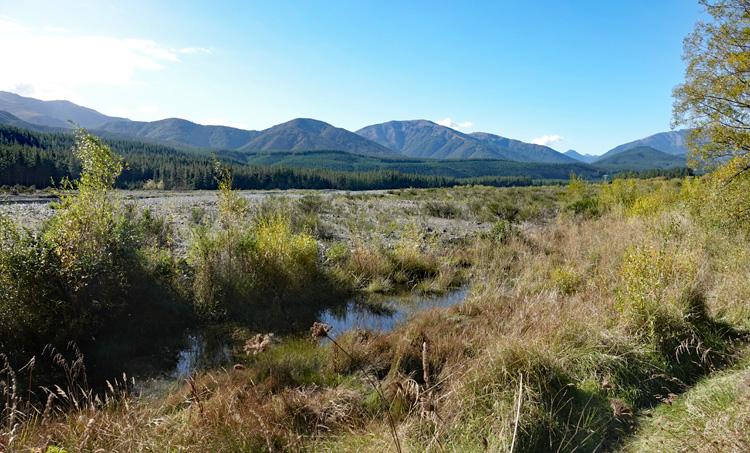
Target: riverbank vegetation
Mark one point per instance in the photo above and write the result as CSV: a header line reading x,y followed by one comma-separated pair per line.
x,y
590,306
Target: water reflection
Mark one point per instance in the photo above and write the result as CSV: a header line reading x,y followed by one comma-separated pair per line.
x,y
384,314
213,346
204,350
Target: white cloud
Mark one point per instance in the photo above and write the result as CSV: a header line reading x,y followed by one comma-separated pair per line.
x,y
448,122
546,140
52,63
194,50
8,26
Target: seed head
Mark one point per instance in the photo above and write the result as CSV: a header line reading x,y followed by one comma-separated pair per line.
x,y
320,330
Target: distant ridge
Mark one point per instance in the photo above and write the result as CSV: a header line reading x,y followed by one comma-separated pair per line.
x,y
420,139
672,142
9,119
586,158
52,113
426,139
181,132
522,151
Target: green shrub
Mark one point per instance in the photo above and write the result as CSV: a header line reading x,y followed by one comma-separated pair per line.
x,y
620,192
585,207
580,198
565,279
337,253
502,231
661,197
661,302
504,210
93,262
243,265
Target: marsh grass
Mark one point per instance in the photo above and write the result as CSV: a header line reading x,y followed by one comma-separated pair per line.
x,y
576,325
247,266
416,262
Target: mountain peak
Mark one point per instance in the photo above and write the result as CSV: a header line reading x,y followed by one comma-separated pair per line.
x,y
308,134
586,158
671,142
427,139
52,113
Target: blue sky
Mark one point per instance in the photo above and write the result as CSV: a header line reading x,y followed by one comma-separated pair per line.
x,y
586,75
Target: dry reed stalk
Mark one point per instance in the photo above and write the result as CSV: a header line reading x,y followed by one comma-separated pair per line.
x,y
518,412
195,395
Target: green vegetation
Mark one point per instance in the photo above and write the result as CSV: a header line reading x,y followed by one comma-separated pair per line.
x,y
94,262
243,265
712,416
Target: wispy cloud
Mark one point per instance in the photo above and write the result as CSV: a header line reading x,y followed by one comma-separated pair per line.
x,y
448,122
194,50
52,63
546,140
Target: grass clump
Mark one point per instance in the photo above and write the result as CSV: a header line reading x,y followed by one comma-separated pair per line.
x,y
661,301
565,279
416,261
244,266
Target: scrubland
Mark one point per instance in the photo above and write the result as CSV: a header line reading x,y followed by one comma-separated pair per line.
x,y
600,317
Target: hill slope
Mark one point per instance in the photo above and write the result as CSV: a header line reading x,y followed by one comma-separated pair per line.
x,y
672,142
305,134
52,113
466,168
522,151
8,119
640,158
425,139
181,132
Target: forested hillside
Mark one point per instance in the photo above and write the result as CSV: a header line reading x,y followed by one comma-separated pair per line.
x,y
43,159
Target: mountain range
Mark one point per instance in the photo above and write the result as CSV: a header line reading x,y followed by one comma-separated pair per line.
x,y
586,158
428,140
420,139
